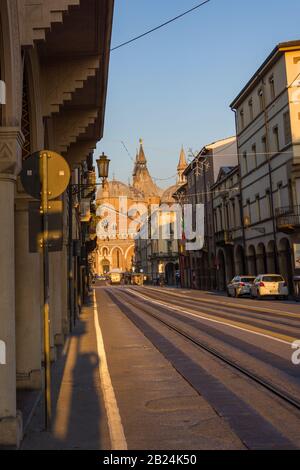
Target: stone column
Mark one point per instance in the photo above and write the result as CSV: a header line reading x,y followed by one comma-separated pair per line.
x,y
11,141
28,302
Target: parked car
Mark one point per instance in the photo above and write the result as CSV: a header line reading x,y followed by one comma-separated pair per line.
x,y
240,285
269,285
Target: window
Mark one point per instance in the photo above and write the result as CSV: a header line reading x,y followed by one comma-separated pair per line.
x,y
254,155
221,217
240,210
245,162
257,204
250,104
287,128
291,196
249,209
242,119
272,87
261,99
233,214
264,145
279,195
216,221
269,202
276,139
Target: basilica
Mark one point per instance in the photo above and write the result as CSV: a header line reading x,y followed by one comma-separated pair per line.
x,y
122,252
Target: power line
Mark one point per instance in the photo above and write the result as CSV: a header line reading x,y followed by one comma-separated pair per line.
x,y
160,26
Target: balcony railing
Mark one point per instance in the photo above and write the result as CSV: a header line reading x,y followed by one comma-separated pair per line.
x,y
288,218
224,237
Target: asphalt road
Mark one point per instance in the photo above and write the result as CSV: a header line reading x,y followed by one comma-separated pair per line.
x,y
236,353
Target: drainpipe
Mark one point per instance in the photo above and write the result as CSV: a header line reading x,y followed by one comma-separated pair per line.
x,y
270,178
241,199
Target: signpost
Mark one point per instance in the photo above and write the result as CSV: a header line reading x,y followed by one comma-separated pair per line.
x,y
45,176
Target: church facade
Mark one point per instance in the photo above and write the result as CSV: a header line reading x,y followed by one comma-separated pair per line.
x,y
121,249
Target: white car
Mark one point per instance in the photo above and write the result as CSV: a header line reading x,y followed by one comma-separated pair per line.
x,y
240,285
269,285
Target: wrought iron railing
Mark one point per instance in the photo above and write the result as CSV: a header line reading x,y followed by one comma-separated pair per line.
x,y
224,236
288,216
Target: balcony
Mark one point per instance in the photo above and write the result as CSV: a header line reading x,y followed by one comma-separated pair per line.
x,y
224,237
168,255
288,219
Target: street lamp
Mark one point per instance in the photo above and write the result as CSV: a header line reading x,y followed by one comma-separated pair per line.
x,y
103,167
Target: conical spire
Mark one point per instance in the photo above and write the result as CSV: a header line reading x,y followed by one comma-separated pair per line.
x,y
182,165
141,176
141,157
182,160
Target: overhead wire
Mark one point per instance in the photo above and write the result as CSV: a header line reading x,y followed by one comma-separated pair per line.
x,y
150,31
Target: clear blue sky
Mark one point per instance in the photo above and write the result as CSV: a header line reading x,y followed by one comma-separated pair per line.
x,y
174,87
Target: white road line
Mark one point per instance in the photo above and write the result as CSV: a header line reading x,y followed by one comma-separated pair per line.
x,y
116,431
210,319
257,308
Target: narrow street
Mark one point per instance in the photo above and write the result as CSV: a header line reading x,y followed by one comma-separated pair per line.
x,y
178,369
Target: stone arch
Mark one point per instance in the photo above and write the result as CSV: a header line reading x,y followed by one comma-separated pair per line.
x,y
252,260
104,251
271,257
285,261
206,271
117,256
240,260
31,86
105,265
221,270
229,266
261,259
11,64
170,274
129,254
116,248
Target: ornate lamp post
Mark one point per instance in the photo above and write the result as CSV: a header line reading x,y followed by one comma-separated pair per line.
x,y
103,167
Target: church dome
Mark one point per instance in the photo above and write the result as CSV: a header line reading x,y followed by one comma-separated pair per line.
x,y
114,189
167,196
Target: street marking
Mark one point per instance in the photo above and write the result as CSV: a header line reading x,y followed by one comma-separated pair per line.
x,y
255,331
116,431
230,304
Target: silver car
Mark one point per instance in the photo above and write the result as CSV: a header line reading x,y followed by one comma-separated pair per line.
x,y
240,285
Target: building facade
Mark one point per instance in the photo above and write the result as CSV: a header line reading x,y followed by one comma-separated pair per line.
x,y
228,227
56,83
157,248
268,134
198,267
118,209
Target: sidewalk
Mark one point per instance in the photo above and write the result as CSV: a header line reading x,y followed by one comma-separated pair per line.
x,y
158,408
79,417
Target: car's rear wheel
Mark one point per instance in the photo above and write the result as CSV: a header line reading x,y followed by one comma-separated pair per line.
x,y
259,296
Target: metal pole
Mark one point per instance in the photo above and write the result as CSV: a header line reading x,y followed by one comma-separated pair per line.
x,y
70,261
47,361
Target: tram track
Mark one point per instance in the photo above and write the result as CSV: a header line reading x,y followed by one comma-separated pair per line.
x,y
267,385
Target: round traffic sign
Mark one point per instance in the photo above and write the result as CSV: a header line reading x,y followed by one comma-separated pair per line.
x,y
59,174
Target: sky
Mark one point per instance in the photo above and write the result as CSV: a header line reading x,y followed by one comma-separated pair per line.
x,y
174,87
